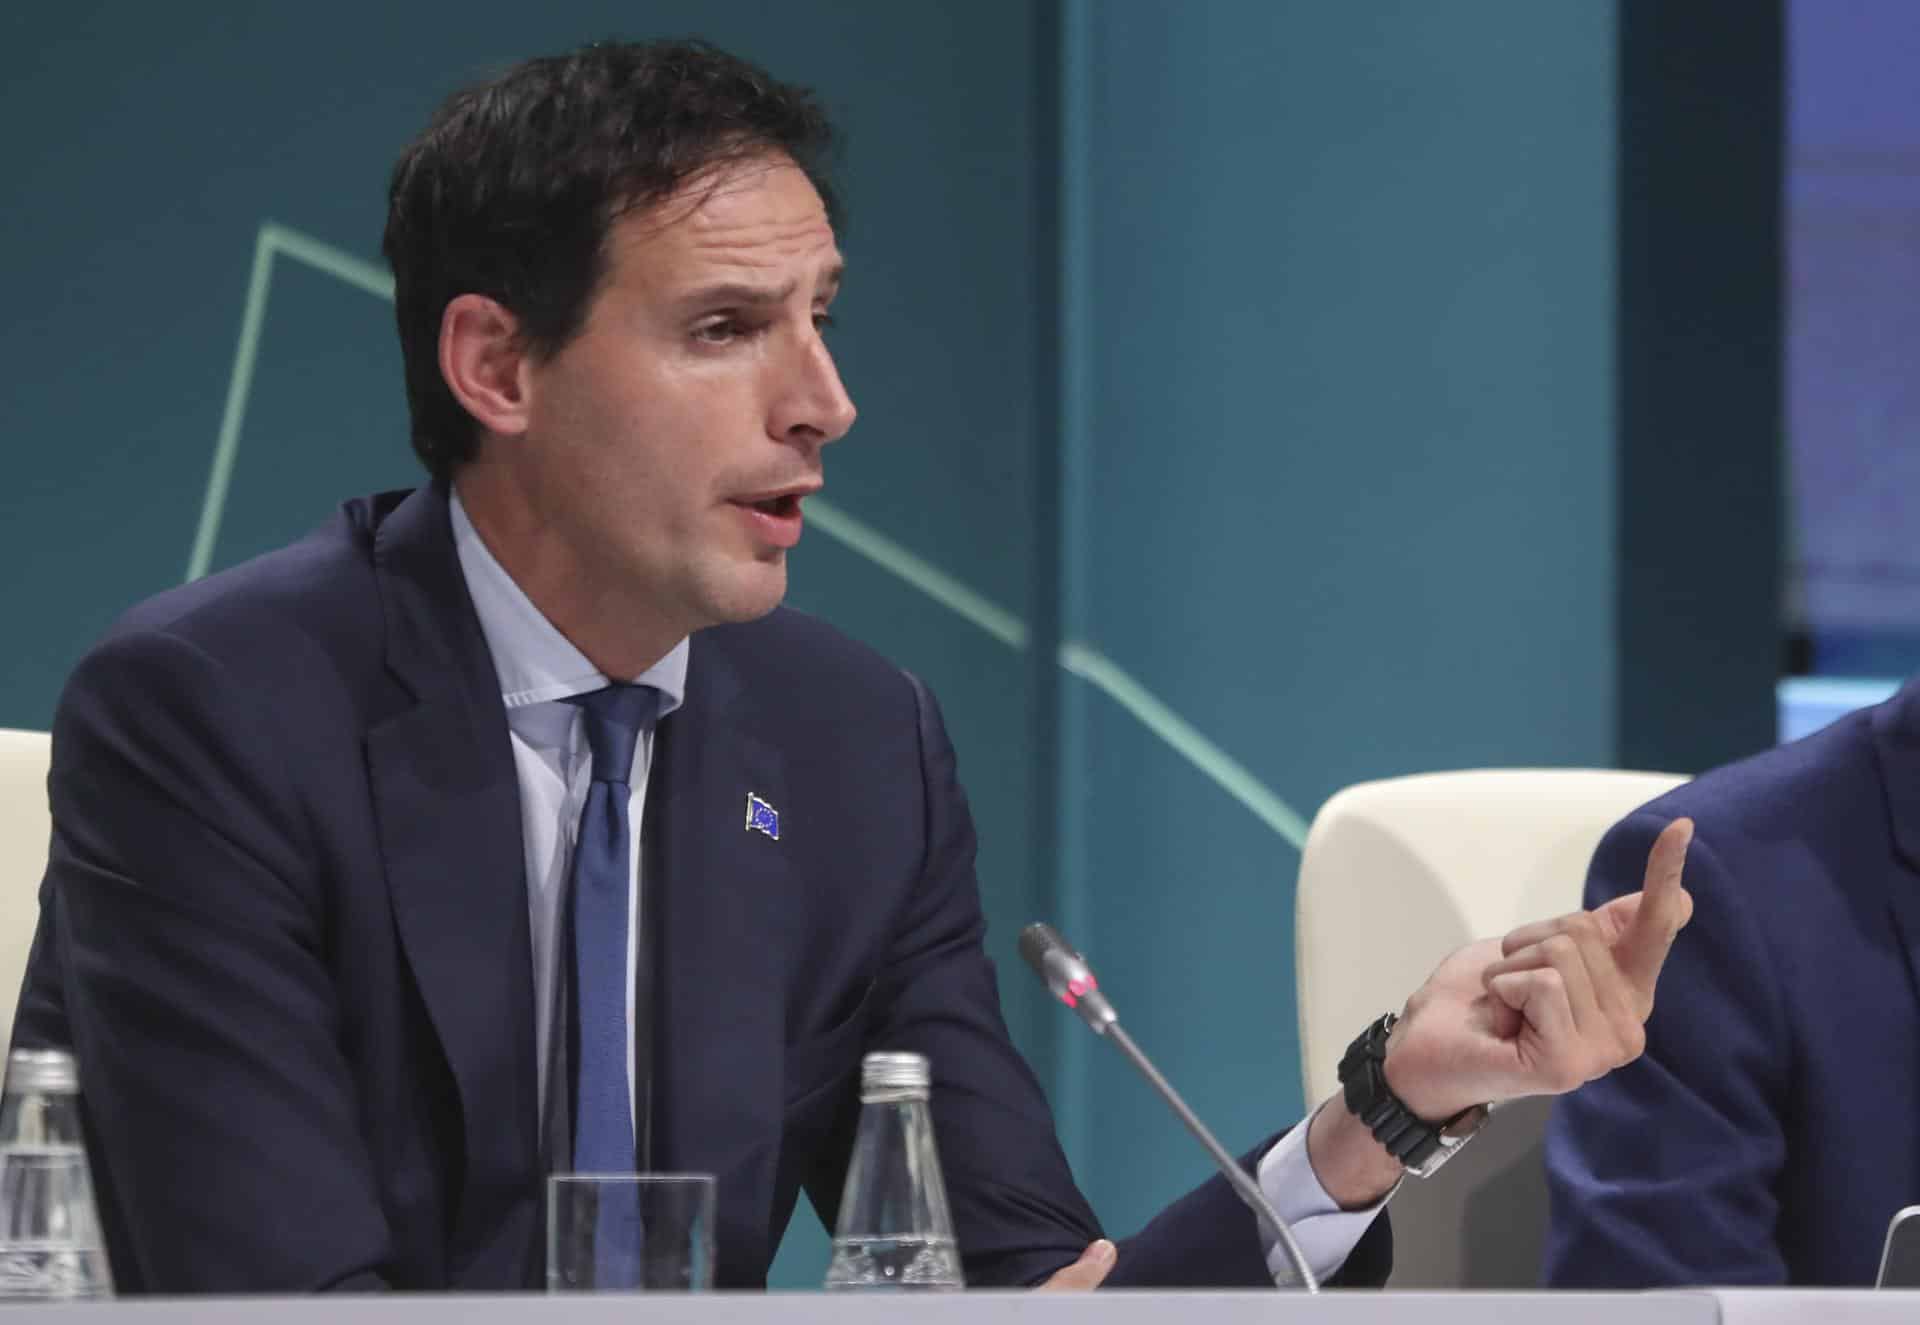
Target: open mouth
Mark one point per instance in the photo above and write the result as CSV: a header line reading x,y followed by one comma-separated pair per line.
x,y
782,507
774,520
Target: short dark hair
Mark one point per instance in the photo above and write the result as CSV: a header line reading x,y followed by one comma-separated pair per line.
x,y
512,187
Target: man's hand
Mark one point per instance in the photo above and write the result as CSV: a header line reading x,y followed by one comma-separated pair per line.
x,y
1086,1273
1548,1008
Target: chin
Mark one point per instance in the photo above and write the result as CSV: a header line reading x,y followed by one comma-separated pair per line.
x,y
749,596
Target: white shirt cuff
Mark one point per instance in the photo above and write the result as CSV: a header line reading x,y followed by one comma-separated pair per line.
x,y
1325,1232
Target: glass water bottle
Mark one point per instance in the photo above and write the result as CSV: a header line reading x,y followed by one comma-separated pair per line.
x,y
50,1245
895,1231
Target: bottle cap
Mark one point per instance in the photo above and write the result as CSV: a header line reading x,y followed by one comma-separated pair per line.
x,y
895,1072
45,1071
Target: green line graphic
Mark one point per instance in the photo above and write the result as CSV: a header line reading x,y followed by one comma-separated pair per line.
x,y
1228,773
273,239
1081,660
337,263
922,575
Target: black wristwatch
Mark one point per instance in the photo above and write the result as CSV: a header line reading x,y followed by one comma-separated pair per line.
x,y
1422,1146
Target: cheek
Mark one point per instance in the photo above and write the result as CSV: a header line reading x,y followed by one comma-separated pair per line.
x,y
700,438
644,436
614,434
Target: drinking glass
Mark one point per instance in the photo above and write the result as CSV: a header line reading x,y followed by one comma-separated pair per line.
x,y
630,1232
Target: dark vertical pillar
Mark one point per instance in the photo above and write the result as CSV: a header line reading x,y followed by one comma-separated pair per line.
x,y
1700,379
1043,688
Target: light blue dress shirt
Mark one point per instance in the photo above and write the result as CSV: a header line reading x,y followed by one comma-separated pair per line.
x,y
538,669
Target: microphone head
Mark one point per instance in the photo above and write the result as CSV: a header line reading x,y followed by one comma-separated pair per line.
x,y
1066,974
1036,941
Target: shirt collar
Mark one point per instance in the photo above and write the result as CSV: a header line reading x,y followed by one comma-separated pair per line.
x,y
536,664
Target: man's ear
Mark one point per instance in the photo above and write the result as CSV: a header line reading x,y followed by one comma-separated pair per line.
x,y
483,362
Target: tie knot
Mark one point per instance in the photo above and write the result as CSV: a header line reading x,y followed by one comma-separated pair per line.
x,y
614,717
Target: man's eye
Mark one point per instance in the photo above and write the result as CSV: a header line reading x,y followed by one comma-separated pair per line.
x,y
718,333
824,322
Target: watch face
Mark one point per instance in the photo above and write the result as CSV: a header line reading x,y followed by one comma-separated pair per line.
x,y
1455,1135
1465,1125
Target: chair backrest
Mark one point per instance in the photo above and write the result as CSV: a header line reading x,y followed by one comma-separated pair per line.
x,y
1396,875
24,829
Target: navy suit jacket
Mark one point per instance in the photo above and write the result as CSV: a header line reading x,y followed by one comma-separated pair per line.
x,y
284,928
1773,1126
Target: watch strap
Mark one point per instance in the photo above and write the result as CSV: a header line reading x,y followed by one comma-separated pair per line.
x,y
1419,1145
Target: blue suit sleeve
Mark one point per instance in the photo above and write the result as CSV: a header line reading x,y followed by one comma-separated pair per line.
x,y
179,909
1664,1172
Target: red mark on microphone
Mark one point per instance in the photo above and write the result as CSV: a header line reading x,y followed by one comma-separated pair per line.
x,y
1077,989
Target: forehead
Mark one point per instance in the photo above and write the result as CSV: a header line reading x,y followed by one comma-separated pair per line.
x,y
757,216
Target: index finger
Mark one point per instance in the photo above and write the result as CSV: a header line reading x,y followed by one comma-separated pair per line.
x,y
1614,919
1665,907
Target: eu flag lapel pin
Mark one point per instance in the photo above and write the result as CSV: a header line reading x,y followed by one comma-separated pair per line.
x,y
762,817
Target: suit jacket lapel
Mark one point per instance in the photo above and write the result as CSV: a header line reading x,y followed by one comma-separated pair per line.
x,y
447,802
726,908
1896,735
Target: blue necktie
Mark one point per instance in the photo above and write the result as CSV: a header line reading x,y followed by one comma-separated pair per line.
x,y
603,1115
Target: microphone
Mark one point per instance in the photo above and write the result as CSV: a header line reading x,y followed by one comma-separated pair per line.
x,y
1068,977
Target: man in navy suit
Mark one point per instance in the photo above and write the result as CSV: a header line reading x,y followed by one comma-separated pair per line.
x,y
1768,1135
509,824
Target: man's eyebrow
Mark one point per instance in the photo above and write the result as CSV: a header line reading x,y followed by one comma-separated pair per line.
x,y
739,294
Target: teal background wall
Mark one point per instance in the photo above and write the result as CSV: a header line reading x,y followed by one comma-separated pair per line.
x,y
1237,387
1340,476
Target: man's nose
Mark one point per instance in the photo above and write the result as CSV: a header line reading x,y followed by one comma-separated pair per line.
x,y
816,408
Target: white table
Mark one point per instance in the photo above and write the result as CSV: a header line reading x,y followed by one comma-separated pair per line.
x,y
1348,1308
1722,1307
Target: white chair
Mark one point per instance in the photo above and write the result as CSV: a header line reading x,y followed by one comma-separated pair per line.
x,y
1397,874
24,829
